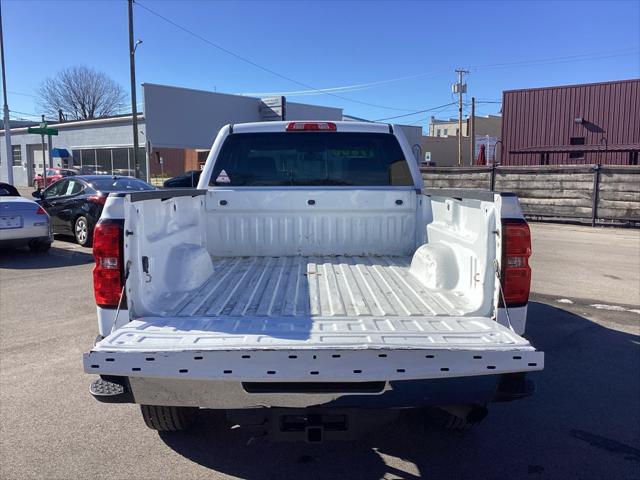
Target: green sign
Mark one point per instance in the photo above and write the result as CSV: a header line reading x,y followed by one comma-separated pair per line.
x,y
42,131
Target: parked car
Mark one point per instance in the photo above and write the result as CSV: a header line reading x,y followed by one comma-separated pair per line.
x,y
315,273
92,170
53,175
75,204
124,172
188,179
23,221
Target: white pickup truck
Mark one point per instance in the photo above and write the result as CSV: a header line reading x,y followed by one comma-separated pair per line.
x,y
311,273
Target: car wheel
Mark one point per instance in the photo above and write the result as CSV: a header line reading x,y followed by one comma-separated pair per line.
x,y
38,246
168,419
83,231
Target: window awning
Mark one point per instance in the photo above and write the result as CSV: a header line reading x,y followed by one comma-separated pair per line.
x,y
60,152
619,147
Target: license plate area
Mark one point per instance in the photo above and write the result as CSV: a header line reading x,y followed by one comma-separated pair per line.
x,y
13,221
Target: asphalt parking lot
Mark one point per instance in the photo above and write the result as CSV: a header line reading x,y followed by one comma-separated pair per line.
x,y
583,422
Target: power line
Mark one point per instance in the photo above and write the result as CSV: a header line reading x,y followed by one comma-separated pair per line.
x,y
415,113
346,88
22,94
25,113
257,65
564,59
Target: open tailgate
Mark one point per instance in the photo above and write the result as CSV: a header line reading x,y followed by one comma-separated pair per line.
x,y
291,350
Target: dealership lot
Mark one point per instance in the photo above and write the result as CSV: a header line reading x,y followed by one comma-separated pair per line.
x,y
583,422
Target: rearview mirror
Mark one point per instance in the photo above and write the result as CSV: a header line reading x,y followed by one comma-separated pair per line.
x,y
36,194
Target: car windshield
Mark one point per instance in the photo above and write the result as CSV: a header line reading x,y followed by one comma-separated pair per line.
x,y
121,184
310,159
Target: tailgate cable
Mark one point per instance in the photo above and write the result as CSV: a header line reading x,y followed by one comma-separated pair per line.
x,y
124,284
504,301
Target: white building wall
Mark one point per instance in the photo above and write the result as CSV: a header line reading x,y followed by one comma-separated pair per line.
x,y
71,136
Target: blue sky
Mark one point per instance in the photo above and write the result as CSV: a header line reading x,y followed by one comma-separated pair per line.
x,y
329,44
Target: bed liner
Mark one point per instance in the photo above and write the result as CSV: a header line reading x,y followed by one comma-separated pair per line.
x,y
327,286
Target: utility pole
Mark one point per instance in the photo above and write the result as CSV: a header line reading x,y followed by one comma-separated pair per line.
x,y
43,126
472,131
134,106
460,88
7,123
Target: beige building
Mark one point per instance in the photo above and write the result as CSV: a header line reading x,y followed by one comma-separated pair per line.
x,y
440,147
485,125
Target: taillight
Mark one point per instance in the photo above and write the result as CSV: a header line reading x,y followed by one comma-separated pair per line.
x,y
516,273
41,211
313,126
107,273
100,199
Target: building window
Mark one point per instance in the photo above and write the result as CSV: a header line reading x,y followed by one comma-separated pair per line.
x,y
16,153
576,141
633,158
445,132
438,132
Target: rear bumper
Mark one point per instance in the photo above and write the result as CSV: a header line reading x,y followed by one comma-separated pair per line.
x,y
237,395
19,241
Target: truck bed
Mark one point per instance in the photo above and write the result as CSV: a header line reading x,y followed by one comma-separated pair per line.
x,y
321,287
313,302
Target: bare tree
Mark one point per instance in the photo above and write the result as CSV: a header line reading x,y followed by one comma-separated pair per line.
x,y
81,93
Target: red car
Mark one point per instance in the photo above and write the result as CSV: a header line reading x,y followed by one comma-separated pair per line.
x,y
53,175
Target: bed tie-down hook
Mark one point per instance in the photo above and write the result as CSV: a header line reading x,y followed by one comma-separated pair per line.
x,y
127,269
496,267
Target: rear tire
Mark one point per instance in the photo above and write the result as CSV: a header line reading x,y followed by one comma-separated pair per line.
x,y
168,419
82,231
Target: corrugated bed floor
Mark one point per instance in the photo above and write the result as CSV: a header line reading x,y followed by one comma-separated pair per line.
x,y
330,287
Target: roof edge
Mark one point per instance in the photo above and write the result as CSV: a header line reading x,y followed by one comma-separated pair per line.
x,y
576,85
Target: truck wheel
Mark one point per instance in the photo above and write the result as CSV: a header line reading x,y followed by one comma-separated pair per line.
x,y
168,419
457,418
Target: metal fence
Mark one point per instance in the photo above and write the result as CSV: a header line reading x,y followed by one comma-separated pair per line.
x,y
590,193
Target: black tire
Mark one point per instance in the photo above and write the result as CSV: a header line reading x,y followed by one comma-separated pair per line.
x,y
168,419
38,246
83,231
449,421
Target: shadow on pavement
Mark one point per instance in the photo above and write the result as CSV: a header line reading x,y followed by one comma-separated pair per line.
x,y
582,422
24,259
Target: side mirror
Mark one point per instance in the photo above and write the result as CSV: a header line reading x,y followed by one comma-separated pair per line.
x,y
36,194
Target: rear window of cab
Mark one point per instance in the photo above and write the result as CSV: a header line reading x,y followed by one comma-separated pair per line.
x,y
311,159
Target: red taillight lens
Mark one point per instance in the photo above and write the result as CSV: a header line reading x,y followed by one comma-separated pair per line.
x,y
107,274
97,199
516,273
311,126
41,211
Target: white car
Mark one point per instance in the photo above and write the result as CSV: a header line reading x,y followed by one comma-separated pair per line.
x,y
23,221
